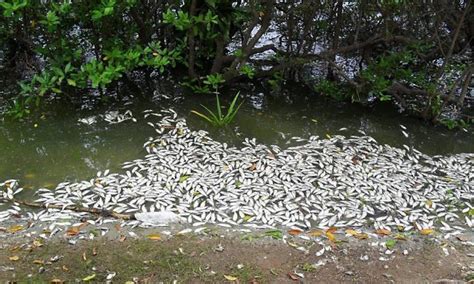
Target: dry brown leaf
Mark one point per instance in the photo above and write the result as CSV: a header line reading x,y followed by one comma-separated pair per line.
x,y
383,232
57,281
154,237
332,230
361,236
15,228
253,167
84,257
426,231
38,261
14,258
65,268
118,227
72,231
94,251
122,238
315,233
294,232
293,276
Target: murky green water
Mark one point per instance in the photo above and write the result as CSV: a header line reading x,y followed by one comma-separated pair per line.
x,y
60,148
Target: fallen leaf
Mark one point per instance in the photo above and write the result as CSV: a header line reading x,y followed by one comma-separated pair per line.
x,y
383,232
84,257
94,251
56,281
356,234
65,268
14,258
38,261
331,230
331,236
429,203
253,167
400,237
118,227
154,237
293,276
361,236
15,228
37,243
72,231
183,178
351,232
15,248
89,278
122,238
426,231
230,277
294,232
315,233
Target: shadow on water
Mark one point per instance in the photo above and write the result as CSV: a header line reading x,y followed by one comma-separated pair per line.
x,y
44,152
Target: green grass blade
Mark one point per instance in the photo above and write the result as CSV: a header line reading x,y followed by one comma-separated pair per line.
x,y
213,115
219,111
235,112
232,105
203,116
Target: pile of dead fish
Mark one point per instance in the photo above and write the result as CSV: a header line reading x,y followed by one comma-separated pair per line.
x,y
337,182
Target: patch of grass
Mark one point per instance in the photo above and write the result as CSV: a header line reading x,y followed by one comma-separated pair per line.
x,y
247,273
144,259
390,244
469,277
308,267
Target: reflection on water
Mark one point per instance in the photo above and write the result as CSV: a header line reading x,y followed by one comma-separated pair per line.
x,y
61,148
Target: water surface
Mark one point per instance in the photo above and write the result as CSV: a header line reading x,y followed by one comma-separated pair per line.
x,y
46,151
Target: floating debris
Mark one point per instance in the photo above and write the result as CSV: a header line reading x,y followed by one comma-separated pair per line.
x,y
341,182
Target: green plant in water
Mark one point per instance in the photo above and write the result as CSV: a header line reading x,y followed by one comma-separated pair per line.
x,y
217,118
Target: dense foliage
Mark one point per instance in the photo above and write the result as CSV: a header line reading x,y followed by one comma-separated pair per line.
x,y
417,54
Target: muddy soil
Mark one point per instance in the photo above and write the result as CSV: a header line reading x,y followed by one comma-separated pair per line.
x,y
154,257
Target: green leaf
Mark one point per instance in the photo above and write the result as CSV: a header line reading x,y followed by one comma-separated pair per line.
x,y
275,234
89,278
183,178
219,110
71,82
203,116
390,244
